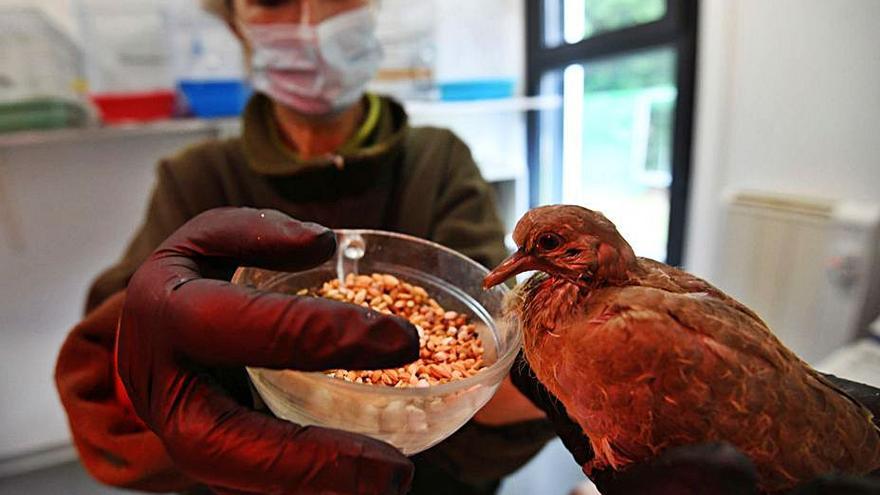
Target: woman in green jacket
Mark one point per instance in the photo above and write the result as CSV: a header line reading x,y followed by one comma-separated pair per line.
x,y
315,147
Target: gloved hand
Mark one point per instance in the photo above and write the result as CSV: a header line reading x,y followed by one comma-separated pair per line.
x,y
176,324
710,469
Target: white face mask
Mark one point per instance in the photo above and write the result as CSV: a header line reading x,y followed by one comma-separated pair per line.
x,y
316,70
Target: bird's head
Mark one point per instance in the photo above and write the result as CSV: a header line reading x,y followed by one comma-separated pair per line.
x,y
567,242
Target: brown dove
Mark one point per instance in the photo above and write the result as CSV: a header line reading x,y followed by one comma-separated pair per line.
x,y
645,357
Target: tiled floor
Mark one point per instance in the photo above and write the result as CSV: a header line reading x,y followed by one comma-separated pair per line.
x,y
66,479
551,473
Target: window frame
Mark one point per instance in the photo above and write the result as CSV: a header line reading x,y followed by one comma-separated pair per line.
x,y
677,29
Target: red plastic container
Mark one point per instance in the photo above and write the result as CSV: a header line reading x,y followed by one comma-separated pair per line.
x,y
116,108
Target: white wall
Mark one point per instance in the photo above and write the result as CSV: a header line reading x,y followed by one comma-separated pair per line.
x,y
484,38
66,212
788,101
58,10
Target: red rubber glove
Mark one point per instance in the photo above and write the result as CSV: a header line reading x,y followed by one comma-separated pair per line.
x,y
176,324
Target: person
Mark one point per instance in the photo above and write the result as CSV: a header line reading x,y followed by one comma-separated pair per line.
x,y
316,147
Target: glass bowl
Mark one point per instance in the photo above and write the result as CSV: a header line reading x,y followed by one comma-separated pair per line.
x,y
411,419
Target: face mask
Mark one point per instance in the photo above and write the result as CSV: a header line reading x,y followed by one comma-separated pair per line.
x,y
316,70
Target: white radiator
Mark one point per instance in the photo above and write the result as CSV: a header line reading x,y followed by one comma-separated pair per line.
x,y
809,267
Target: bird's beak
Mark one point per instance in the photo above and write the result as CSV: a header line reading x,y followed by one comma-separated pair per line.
x,y
516,263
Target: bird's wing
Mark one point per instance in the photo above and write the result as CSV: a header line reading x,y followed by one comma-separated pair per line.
x,y
662,276
665,277
677,368
658,362
711,317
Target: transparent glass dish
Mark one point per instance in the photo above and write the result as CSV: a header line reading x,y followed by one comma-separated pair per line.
x,y
411,419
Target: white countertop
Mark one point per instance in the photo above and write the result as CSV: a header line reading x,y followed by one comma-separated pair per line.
x,y
86,134
225,126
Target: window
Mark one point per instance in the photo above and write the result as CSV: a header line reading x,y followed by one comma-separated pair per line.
x,y
620,142
570,21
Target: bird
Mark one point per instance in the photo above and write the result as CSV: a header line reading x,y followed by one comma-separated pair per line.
x,y
646,357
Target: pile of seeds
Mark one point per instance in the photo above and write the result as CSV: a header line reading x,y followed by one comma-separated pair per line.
x,y
450,348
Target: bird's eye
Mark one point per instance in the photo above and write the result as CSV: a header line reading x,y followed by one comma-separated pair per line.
x,y
549,242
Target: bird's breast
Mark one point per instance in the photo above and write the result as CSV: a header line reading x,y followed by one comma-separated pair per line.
x,y
546,306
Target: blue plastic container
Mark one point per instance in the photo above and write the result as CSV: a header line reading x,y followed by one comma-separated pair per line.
x,y
215,98
477,89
